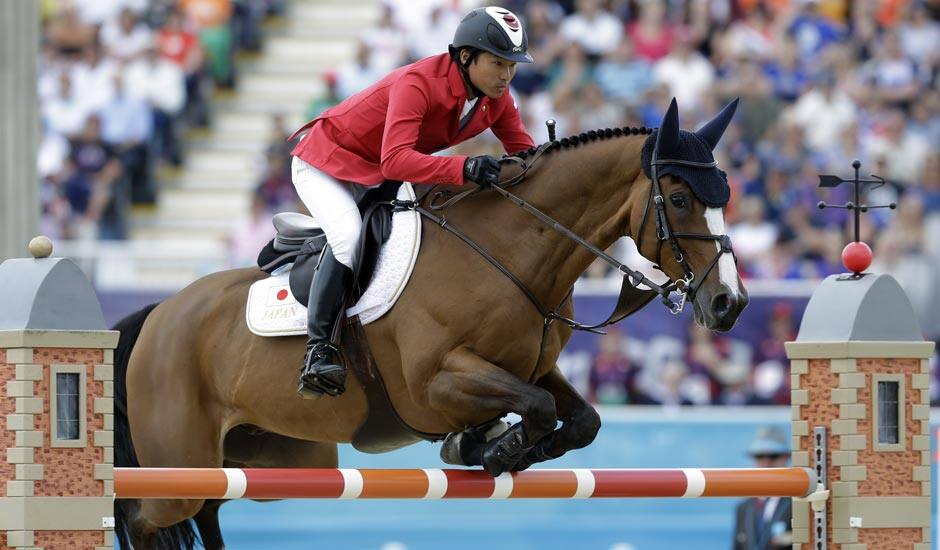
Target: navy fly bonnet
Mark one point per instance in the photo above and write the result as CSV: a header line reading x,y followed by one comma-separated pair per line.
x,y
709,183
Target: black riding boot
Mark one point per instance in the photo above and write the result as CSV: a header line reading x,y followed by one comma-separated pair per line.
x,y
322,371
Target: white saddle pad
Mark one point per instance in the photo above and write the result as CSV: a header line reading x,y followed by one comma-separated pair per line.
x,y
273,311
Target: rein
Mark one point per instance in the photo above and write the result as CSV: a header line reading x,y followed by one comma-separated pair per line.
x,y
632,279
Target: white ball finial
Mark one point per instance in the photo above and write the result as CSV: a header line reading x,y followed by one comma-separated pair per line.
x,y
40,247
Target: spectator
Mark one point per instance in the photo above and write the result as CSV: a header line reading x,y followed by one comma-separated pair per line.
x,y
91,177
594,111
435,32
929,189
920,37
65,113
279,143
685,72
68,33
211,18
542,18
276,188
760,108
904,151
753,234
711,357
93,79
357,75
53,158
823,112
250,235
923,121
787,77
764,522
246,23
673,388
811,31
651,35
180,46
901,253
161,85
622,77
386,43
125,39
612,374
596,30
752,37
99,12
893,75
327,98
127,126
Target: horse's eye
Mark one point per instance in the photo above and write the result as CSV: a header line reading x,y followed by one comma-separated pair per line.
x,y
678,200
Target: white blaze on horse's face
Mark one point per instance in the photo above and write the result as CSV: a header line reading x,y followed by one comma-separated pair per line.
x,y
727,271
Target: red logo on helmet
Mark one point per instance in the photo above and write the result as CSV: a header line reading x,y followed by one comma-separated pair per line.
x,y
511,22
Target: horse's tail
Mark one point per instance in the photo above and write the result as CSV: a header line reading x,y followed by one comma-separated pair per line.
x,y
181,535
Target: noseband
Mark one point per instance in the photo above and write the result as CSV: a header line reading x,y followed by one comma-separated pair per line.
x,y
688,286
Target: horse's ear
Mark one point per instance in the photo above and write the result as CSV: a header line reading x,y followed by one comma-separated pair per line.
x,y
667,138
714,128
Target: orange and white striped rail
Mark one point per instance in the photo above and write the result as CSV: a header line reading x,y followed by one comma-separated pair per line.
x,y
279,483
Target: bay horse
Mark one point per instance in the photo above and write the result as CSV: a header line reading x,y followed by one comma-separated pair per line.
x,y
462,346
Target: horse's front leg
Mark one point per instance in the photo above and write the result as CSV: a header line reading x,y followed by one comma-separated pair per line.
x,y
580,422
468,387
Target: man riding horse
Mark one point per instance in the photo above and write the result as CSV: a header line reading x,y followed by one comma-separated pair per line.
x,y
388,132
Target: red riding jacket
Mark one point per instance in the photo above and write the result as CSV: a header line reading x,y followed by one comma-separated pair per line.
x,y
389,130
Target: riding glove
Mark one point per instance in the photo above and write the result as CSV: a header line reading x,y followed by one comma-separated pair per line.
x,y
482,170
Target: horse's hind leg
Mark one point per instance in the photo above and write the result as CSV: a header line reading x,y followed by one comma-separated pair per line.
x,y
207,521
467,382
182,435
246,447
255,448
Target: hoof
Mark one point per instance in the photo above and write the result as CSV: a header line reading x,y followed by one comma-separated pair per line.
x,y
450,449
503,453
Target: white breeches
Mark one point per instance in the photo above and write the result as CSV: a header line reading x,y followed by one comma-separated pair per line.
x,y
332,206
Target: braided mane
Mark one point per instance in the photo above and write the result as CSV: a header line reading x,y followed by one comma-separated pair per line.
x,y
584,137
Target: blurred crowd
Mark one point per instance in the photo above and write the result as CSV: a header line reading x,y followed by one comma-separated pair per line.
x,y
697,368
119,80
704,368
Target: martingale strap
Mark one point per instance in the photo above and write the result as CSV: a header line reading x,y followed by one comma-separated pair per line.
x,y
630,299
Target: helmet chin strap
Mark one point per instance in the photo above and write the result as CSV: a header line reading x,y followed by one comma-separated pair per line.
x,y
466,78
465,72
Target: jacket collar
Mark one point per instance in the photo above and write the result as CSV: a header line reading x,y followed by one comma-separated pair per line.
x,y
457,86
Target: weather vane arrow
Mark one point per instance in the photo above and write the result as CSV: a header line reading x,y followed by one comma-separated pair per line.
x,y
856,256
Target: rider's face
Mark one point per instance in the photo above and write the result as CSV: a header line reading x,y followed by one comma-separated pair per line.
x,y
489,73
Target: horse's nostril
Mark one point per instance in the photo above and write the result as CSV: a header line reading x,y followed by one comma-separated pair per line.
x,y
722,304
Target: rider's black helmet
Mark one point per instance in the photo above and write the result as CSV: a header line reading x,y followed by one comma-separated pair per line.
x,y
495,30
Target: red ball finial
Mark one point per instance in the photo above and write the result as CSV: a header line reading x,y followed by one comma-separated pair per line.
x,y
856,257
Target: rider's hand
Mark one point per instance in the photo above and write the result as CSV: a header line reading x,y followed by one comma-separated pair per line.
x,y
482,170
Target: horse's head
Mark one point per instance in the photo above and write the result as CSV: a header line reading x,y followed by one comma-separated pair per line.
x,y
677,219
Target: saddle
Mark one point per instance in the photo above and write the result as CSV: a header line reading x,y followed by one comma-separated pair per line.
x,y
300,241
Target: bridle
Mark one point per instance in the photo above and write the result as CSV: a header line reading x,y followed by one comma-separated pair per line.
x,y
689,285
631,296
